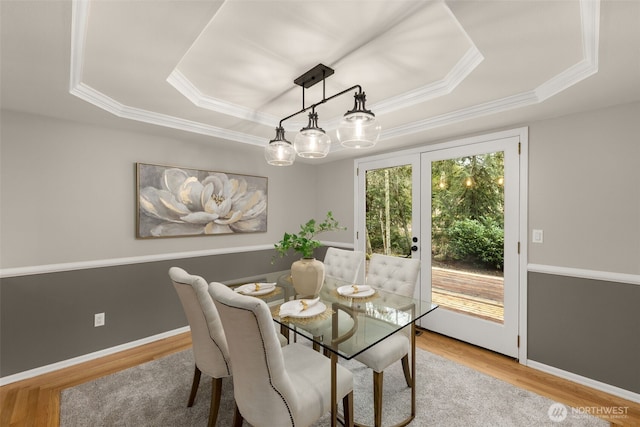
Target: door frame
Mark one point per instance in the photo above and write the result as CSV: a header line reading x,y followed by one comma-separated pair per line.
x,y
523,135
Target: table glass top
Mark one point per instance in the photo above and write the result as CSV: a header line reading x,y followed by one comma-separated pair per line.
x,y
345,322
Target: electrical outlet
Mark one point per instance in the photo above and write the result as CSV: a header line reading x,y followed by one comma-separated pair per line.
x,y
98,319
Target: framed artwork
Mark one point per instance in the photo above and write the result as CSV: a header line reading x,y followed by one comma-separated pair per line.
x,y
178,202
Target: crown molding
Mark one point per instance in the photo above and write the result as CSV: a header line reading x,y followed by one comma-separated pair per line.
x,y
589,14
97,98
590,17
465,66
183,85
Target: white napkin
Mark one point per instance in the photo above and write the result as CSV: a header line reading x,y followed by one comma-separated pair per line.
x,y
250,288
295,307
354,289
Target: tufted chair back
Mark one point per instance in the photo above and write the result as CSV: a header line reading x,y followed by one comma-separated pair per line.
x,y
273,385
209,342
398,276
393,274
261,384
343,264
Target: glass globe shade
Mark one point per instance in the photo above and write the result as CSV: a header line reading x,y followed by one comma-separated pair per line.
x,y
358,130
312,143
279,153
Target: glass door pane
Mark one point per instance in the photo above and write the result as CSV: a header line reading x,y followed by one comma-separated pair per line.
x,y
388,211
467,235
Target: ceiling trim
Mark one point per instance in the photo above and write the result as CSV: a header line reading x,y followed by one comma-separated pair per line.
x,y
465,66
183,85
590,18
589,14
87,93
79,21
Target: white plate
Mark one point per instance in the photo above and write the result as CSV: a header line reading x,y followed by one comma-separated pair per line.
x,y
314,310
265,288
347,291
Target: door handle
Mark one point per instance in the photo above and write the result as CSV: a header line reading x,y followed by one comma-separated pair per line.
x,y
414,248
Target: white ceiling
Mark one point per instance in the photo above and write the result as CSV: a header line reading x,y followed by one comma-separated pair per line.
x,y
222,71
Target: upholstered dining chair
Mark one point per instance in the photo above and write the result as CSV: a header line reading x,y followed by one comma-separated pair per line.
x,y
343,264
210,349
340,267
274,386
399,276
209,342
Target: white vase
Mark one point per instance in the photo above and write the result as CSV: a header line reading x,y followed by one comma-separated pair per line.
x,y
307,276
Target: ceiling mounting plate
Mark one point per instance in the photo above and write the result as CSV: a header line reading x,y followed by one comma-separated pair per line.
x,y
313,76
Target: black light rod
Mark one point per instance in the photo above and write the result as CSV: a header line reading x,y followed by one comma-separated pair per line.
x,y
322,102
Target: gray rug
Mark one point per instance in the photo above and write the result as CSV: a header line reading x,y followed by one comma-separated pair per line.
x,y
155,394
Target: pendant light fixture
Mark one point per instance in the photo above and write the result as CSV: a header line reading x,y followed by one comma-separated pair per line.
x,y
358,128
312,142
279,152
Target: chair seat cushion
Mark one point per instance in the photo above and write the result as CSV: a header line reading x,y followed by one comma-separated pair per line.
x,y
313,385
386,352
322,328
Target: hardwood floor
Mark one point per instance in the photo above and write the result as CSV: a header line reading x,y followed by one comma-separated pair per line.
x,y
36,401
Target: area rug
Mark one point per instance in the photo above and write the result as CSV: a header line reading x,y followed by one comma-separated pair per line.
x,y
155,394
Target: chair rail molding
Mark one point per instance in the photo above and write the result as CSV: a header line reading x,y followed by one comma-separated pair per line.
x,y
81,265
632,279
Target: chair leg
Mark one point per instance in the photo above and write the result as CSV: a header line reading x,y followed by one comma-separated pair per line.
x,y
377,398
407,371
237,417
347,407
194,387
216,393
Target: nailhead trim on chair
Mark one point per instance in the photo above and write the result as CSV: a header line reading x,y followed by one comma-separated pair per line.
x,y
265,358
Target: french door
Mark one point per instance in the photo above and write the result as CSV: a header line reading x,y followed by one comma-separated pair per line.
x,y
458,210
469,207
388,214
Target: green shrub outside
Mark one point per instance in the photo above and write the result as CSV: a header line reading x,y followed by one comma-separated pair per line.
x,y
480,242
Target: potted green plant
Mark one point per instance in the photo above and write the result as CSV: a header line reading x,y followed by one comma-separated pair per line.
x,y
307,273
304,242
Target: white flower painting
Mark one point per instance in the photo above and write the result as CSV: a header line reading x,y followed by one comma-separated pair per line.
x,y
175,202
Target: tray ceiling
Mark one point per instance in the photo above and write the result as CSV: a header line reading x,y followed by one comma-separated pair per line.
x,y
225,69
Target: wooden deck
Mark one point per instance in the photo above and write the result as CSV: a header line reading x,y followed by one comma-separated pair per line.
x,y
469,293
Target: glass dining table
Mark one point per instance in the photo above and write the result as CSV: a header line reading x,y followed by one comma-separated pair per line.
x,y
346,319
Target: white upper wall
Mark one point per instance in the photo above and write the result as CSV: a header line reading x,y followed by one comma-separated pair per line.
x,y
584,190
68,192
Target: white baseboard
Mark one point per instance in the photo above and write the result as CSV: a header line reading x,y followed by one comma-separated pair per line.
x,y
607,388
86,357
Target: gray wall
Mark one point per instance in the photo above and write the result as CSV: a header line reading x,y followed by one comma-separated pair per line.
x,y
68,202
584,193
68,196
47,318
587,327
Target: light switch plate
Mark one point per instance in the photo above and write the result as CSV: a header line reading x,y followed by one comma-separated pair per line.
x,y
537,236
